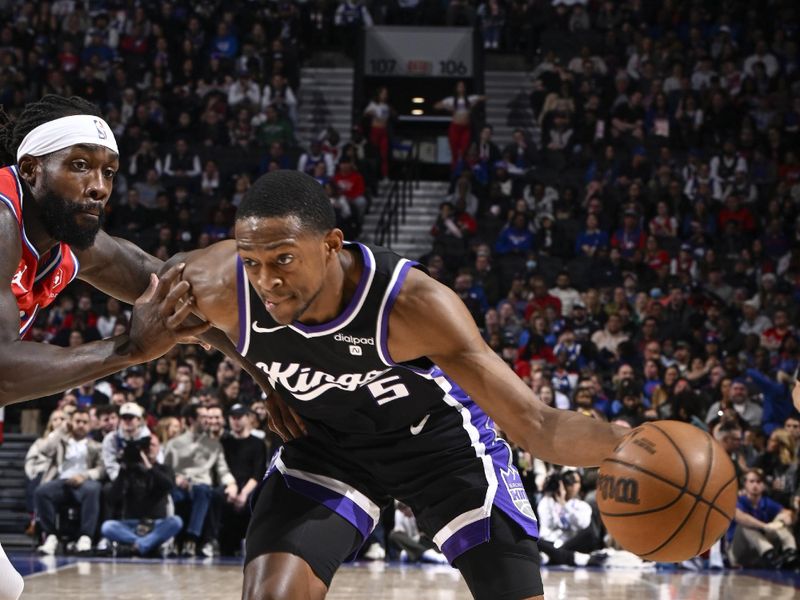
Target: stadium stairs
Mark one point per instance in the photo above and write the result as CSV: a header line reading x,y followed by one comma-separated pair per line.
x,y
325,99
13,515
415,238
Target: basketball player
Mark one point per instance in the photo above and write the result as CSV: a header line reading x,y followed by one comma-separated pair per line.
x,y
62,160
392,378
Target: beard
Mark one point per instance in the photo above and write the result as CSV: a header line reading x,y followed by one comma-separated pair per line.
x,y
59,218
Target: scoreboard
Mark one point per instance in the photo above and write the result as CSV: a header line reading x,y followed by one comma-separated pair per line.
x,y
418,52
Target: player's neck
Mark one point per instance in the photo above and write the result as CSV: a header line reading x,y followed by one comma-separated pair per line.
x,y
34,227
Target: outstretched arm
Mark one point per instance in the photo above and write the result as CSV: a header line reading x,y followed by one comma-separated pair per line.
x,y
117,267
430,320
155,327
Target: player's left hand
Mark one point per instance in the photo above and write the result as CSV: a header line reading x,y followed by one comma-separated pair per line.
x,y
282,419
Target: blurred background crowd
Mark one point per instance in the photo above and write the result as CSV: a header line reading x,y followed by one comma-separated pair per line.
x,y
636,257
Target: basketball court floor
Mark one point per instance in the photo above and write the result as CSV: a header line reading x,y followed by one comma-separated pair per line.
x,y
133,579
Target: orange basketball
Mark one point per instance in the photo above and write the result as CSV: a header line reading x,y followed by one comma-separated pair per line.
x,y
668,491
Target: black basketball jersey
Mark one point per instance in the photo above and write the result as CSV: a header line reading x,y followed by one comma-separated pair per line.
x,y
339,374
381,430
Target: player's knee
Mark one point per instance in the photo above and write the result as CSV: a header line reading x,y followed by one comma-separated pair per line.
x,y
280,577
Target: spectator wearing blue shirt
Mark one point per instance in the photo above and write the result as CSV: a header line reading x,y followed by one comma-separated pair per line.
x,y
591,238
761,534
97,47
516,237
777,404
224,44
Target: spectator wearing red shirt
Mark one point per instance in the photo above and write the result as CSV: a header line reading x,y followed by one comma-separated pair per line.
x,y
663,224
536,350
772,338
541,299
351,184
655,257
733,211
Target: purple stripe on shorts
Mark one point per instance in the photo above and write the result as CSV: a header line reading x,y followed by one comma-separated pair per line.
x,y
510,497
344,507
240,292
360,291
466,538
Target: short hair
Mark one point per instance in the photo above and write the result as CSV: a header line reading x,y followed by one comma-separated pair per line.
x,y
49,108
286,194
189,412
759,473
80,410
106,409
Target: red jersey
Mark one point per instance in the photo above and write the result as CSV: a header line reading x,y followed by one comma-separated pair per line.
x,y
38,279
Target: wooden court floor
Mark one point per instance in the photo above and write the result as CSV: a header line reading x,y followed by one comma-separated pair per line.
x,y
96,580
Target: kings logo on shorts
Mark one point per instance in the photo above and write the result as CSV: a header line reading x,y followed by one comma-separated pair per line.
x,y
517,492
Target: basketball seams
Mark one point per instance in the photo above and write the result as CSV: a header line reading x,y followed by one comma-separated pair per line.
x,y
642,512
667,481
685,486
719,492
710,463
674,533
682,537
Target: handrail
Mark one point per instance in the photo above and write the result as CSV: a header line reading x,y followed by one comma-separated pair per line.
x,y
399,198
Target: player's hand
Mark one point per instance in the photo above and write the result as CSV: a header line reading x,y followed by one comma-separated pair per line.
x,y
775,525
181,482
196,340
158,316
282,419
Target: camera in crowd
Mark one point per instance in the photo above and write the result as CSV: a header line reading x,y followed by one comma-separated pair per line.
x,y
132,451
551,484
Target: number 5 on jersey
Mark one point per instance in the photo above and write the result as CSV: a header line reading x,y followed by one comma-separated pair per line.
x,y
383,390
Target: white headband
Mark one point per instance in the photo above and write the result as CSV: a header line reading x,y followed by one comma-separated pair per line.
x,y
65,132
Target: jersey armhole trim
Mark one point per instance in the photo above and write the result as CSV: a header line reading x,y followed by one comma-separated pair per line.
x,y
389,298
243,294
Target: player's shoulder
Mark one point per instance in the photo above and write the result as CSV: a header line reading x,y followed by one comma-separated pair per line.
x,y
213,262
212,273
421,297
10,241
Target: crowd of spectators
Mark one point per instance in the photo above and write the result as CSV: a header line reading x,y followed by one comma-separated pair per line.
x,y
634,256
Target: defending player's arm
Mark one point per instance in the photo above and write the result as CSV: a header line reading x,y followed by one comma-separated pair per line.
x,y
117,267
122,270
428,319
31,370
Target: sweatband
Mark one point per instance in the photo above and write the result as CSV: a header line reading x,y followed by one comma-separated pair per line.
x,y
62,133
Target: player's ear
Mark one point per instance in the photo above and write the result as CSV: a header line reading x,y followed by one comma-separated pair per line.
x,y
29,168
334,241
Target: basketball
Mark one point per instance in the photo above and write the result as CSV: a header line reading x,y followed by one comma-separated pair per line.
x,y
668,491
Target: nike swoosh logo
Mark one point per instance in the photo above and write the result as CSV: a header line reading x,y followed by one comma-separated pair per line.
x,y
415,429
258,329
